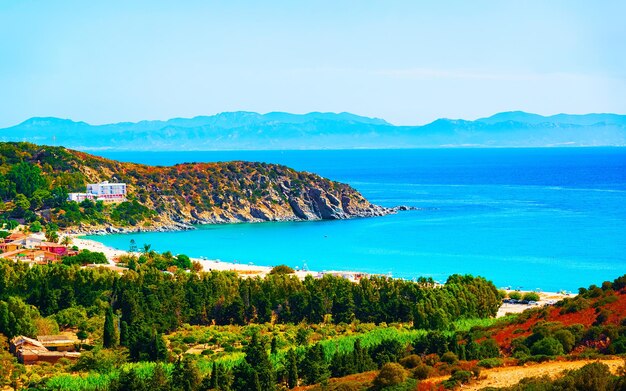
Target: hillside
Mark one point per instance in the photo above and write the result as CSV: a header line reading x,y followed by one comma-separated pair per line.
x,y
34,181
253,131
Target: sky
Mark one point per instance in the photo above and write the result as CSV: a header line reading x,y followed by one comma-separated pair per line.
x,y
409,62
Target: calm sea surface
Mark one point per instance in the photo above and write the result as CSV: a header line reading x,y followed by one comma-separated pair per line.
x,y
532,218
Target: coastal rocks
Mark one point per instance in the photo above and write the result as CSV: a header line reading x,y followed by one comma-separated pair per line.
x,y
404,208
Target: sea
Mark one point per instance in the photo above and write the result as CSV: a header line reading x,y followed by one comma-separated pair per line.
x,y
552,219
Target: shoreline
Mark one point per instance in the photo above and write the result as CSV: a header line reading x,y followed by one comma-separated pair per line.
x,y
177,226
252,270
208,265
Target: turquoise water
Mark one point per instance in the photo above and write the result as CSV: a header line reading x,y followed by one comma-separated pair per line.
x,y
533,218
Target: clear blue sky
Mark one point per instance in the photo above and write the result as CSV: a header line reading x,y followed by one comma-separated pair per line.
x,y
409,62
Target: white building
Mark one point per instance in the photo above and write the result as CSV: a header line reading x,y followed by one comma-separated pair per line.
x,y
103,191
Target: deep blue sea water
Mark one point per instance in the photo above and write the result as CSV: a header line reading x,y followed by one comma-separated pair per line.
x,y
533,218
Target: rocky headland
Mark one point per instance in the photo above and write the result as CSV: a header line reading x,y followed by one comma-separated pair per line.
x,y
173,197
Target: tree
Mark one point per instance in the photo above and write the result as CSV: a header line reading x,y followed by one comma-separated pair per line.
x,y
185,375
67,240
52,236
282,269
21,205
17,318
82,335
109,338
35,227
256,372
133,246
314,367
215,377
292,368
27,178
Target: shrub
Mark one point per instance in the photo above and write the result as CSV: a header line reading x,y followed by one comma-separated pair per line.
x,y
461,376
491,363
547,346
422,371
450,358
489,348
450,384
431,359
282,269
515,295
618,346
531,296
411,361
602,317
574,305
85,257
566,338
343,386
391,374
605,300
594,376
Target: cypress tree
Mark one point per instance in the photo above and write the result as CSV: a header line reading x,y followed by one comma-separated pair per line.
x,y
124,337
109,339
292,368
214,376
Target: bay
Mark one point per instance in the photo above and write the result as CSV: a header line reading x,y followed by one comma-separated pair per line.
x,y
547,218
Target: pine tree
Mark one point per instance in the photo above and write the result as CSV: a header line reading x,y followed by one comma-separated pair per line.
x,y
314,366
257,357
109,338
256,372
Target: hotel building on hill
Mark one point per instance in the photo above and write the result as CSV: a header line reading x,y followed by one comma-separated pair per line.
x,y
103,191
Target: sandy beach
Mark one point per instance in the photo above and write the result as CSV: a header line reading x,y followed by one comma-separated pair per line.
x,y
208,265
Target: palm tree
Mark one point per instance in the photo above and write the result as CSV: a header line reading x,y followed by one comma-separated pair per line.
x,y
52,236
146,248
67,240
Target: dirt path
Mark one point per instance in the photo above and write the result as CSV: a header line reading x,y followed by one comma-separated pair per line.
x,y
508,376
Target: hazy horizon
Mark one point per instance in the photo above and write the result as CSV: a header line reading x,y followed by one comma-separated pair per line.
x,y
309,112
406,62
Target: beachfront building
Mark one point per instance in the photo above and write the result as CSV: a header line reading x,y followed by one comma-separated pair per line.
x,y
103,191
32,249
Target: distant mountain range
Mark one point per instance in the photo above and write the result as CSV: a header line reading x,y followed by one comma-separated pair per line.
x,y
250,131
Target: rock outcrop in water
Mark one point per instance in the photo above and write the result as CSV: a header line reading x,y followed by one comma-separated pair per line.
x,y
175,197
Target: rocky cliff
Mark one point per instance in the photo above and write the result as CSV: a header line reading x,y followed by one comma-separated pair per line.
x,y
173,196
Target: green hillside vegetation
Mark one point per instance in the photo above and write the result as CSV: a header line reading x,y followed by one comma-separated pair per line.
x,y
158,316
35,181
183,330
